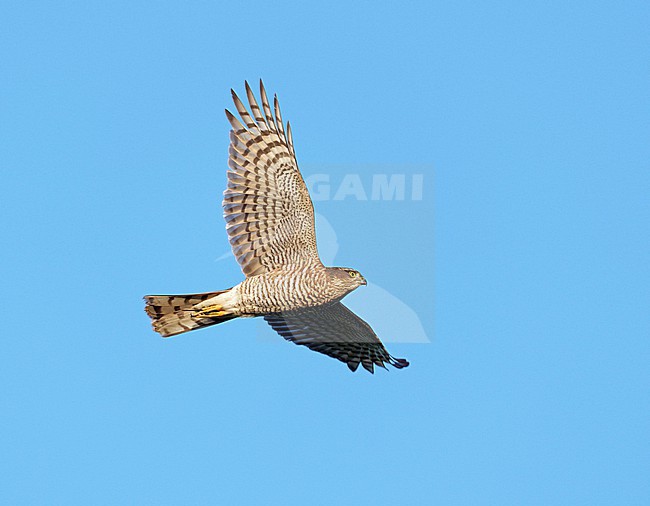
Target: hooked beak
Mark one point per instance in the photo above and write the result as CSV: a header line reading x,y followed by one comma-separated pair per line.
x,y
364,282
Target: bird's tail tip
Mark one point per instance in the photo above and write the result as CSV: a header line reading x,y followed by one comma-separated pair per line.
x,y
174,314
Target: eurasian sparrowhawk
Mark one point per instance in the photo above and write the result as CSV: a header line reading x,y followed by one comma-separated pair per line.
x,y
270,223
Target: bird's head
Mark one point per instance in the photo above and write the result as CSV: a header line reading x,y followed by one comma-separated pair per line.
x,y
345,280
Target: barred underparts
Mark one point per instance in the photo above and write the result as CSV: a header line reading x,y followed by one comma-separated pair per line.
x,y
270,224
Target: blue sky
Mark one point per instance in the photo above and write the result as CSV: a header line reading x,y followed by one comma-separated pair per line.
x,y
525,262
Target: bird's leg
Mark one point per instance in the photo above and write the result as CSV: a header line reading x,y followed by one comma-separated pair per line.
x,y
213,311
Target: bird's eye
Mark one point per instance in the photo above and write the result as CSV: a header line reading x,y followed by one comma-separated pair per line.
x,y
353,274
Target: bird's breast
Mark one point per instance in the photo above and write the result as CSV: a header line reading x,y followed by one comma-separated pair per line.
x,y
285,290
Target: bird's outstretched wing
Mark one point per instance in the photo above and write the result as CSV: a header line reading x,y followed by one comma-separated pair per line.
x,y
335,331
269,215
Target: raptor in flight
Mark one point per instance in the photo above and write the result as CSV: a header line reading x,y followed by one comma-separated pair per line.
x,y
270,223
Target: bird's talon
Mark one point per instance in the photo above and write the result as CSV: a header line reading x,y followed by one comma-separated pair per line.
x,y
214,311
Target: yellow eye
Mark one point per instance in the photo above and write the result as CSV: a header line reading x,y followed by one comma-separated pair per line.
x,y
353,274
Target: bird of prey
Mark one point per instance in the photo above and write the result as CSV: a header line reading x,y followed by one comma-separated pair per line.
x,y
270,223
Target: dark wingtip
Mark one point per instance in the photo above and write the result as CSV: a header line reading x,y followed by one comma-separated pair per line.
x,y
353,366
368,367
381,364
399,363
231,118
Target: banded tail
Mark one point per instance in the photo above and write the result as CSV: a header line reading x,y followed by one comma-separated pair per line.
x,y
174,314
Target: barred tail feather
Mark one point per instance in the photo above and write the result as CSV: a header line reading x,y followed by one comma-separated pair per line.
x,y
172,314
